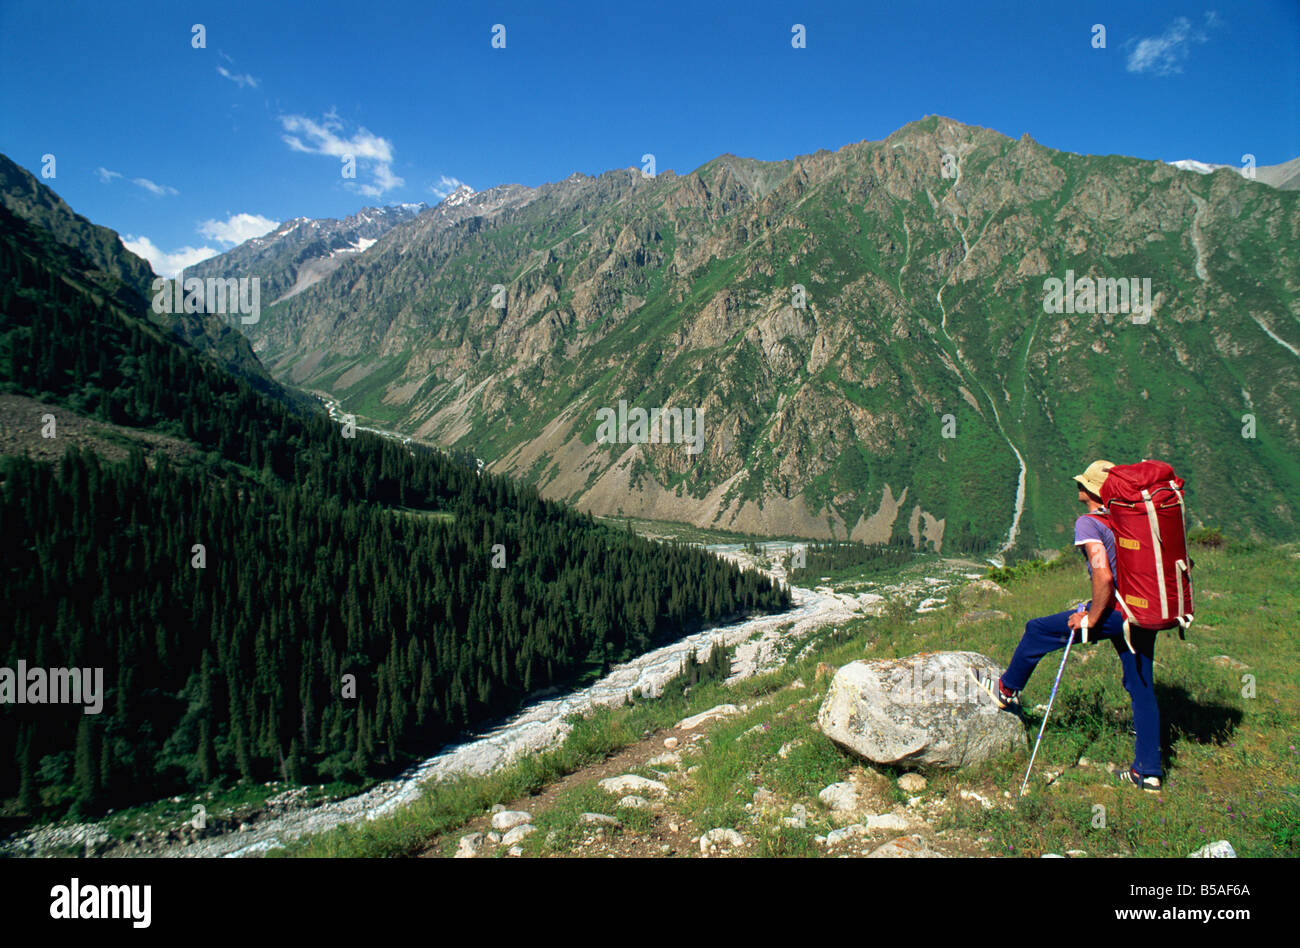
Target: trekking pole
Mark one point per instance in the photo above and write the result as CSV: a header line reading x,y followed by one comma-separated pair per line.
x,y
1043,726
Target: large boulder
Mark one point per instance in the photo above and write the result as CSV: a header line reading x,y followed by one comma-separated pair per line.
x,y
926,711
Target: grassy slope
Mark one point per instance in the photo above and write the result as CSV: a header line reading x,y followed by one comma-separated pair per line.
x,y
1231,759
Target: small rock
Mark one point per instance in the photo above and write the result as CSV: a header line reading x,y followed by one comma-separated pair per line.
x,y
517,834
1051,856
840,797
498,808
982,615
983,586
972,795
1220,849
713,714
798,683
508,819
665,849
904,847
1225,662
631,782
787,747
664,760
835,837
1049,776
635,802
469,846
1084,762
720,837
911,783
764,797
600,819
494,838
516,850
671,743
887,821
674,828
1075,853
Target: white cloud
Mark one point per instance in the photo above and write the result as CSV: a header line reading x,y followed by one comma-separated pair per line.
x,y
323,138
158,190
1165,54
241,79
444,186
237,228
166,264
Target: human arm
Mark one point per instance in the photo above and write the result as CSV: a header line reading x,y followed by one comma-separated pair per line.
x,y
1103,586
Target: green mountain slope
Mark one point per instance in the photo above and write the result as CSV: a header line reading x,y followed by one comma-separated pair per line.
x,y
284,600
101,258
924,260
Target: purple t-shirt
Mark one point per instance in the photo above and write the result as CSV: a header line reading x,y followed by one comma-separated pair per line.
x,y
1088,530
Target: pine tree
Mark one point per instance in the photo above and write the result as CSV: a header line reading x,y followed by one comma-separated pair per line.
x,y
86,768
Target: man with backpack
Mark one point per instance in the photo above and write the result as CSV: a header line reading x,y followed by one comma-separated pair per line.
x,y
1135,646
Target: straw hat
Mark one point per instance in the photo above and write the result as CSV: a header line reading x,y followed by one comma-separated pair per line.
x,y
1092,479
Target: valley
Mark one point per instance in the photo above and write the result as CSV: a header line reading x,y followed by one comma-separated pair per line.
x,y
754,646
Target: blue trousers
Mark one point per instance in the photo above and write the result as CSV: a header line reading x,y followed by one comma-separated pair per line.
x,y
1052,632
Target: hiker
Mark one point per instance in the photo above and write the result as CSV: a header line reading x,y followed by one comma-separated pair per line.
x,y
1097,543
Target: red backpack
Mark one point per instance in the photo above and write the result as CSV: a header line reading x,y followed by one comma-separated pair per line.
x,y
1145,507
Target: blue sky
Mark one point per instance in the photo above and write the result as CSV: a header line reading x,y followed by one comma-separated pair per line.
x,y
185,151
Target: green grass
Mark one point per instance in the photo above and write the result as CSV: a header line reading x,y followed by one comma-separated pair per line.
x,y
560,827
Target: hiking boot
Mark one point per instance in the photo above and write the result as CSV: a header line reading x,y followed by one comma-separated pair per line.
x,y
1005,699
1131,776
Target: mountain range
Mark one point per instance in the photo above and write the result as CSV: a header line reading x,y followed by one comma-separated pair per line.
x,y
863,332
300,252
